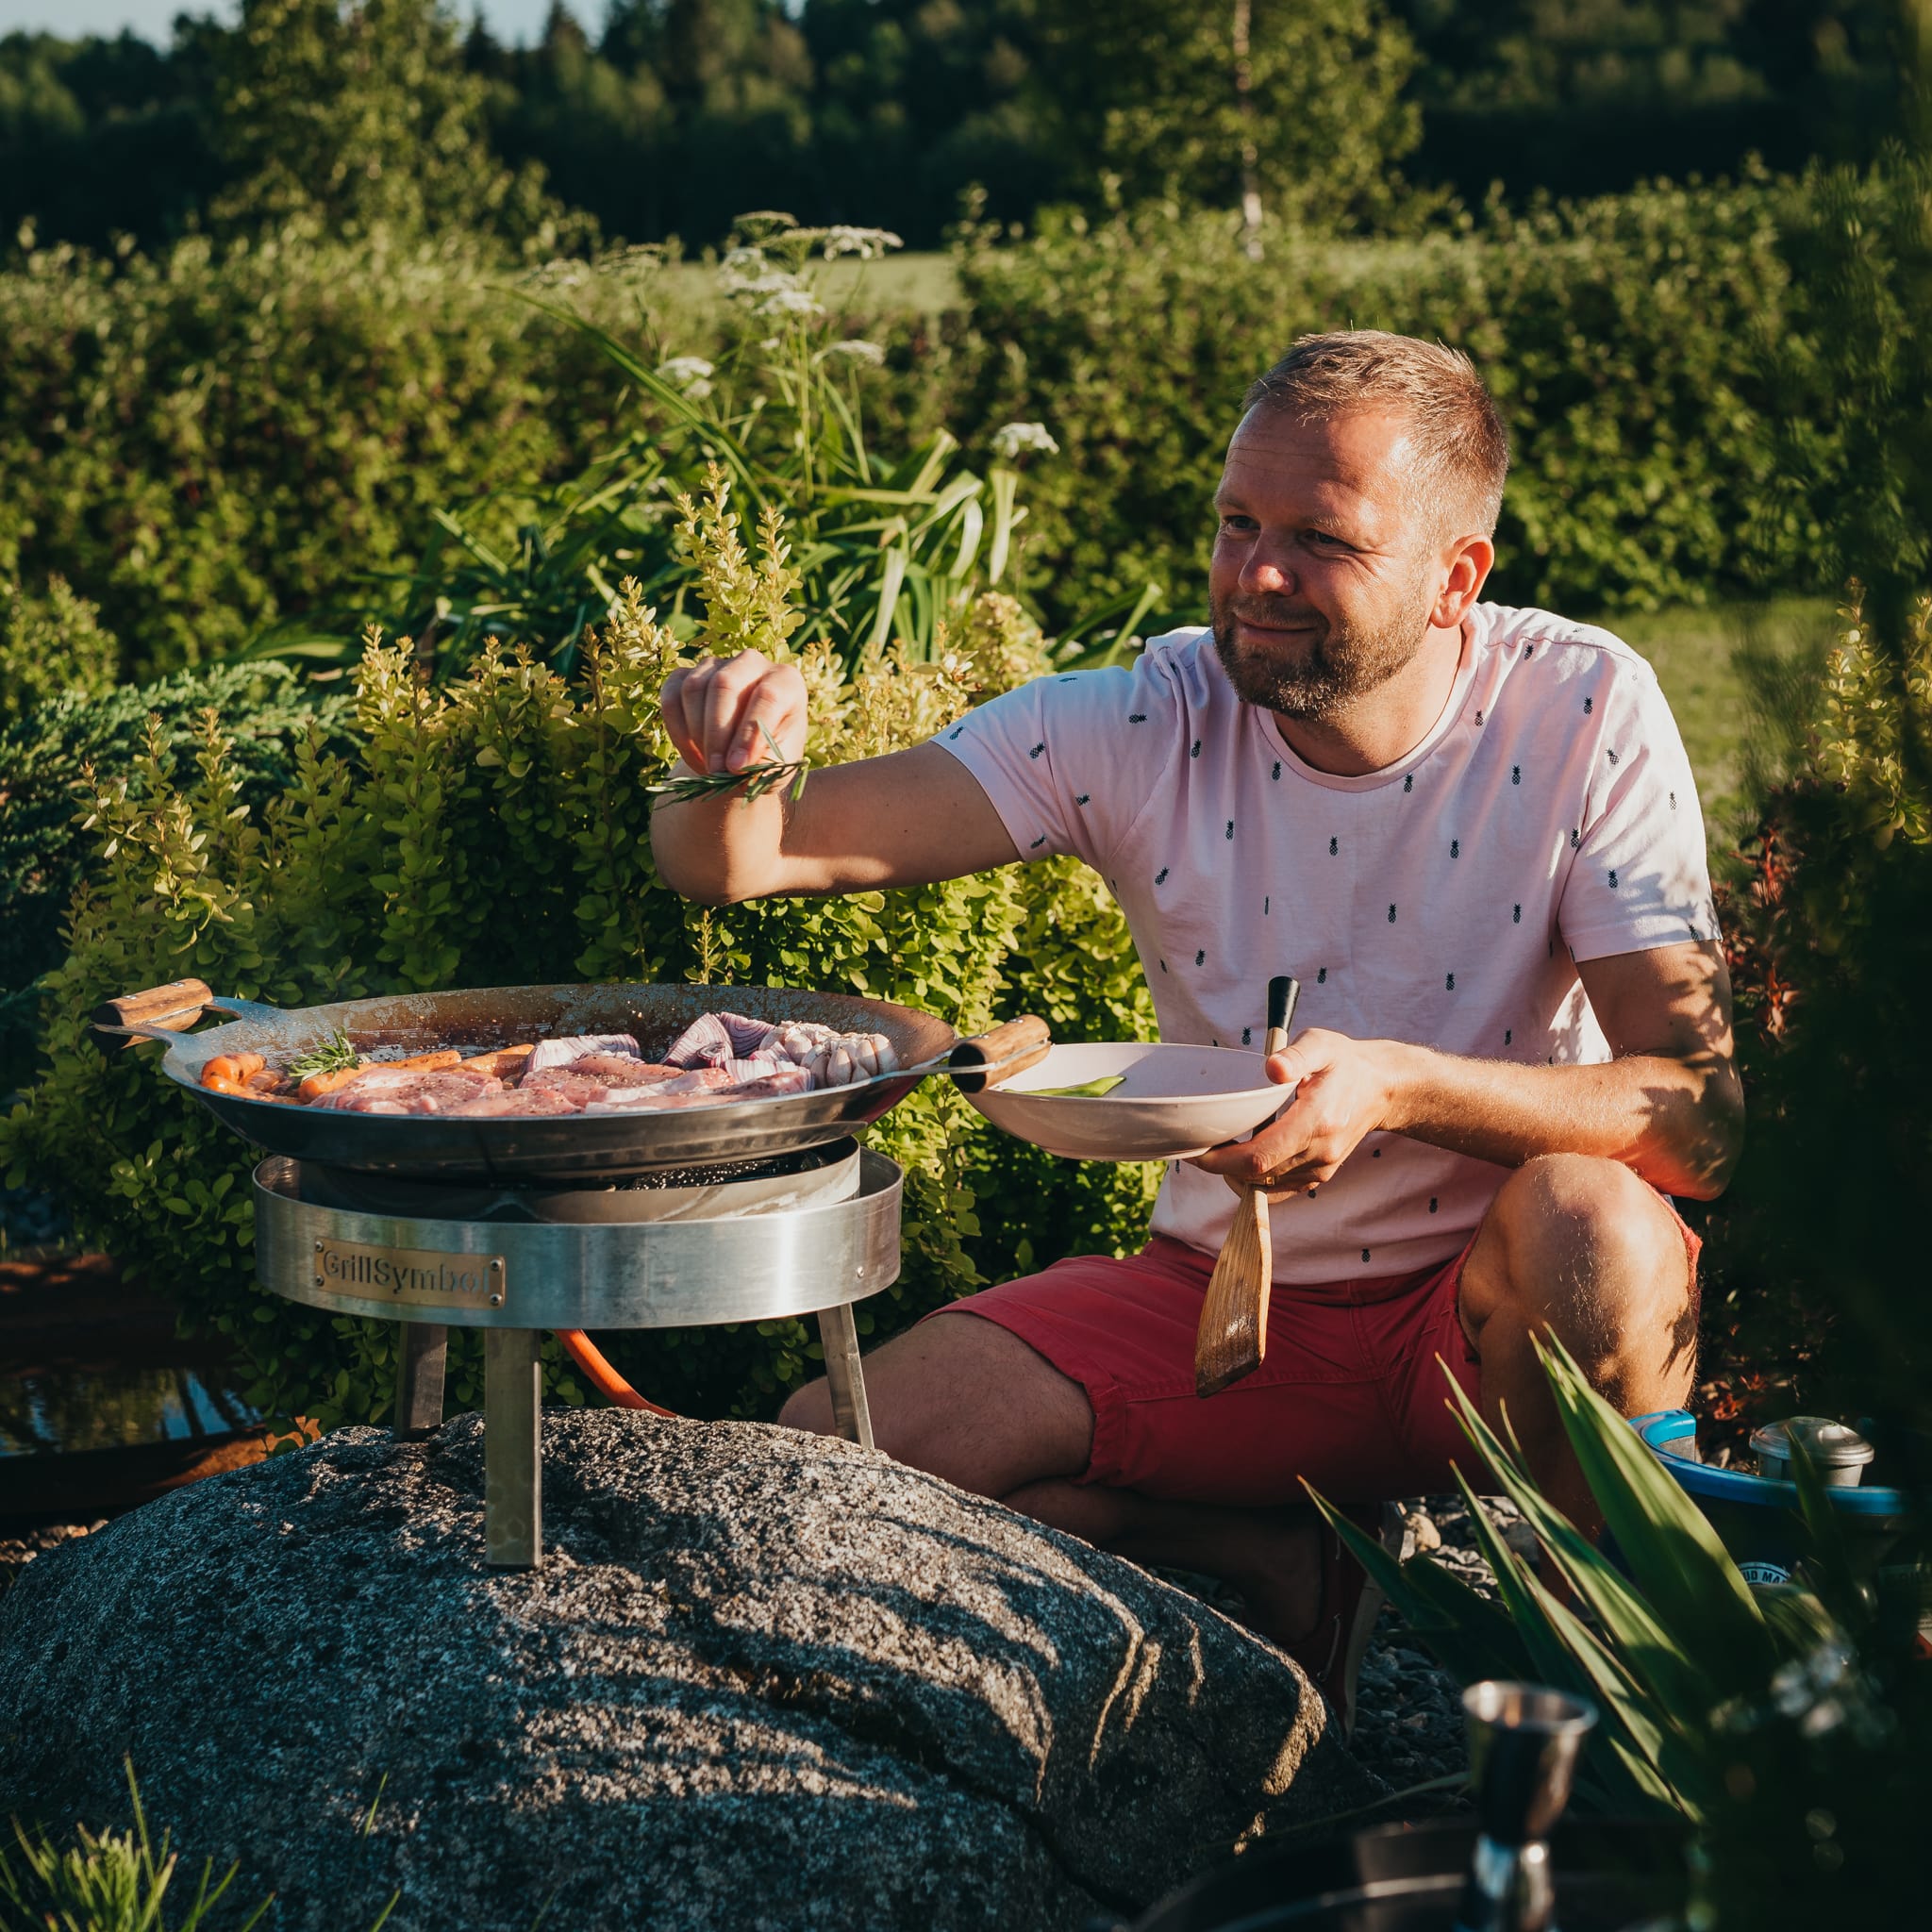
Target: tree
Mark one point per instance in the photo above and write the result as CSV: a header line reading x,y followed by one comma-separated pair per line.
x,y
1158,95
362,115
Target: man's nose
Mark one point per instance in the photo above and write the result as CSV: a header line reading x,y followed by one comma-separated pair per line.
x,y
1267,573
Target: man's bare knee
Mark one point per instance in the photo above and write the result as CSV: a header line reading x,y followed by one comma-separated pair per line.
x,y
1580,1246
808,1408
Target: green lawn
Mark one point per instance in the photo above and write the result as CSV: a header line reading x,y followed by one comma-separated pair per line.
x,y
1695,651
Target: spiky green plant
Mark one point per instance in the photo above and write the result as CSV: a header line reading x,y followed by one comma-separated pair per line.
x,y
1674,1652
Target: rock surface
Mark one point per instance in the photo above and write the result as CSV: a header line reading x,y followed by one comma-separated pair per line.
x,y
763,1680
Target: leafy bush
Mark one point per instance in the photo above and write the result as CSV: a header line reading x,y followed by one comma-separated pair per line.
x,y
50,645
209,444
202,443
46,754
493,832
1831,910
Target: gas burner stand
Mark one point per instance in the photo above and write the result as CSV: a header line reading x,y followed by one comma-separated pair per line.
x,y
810,1235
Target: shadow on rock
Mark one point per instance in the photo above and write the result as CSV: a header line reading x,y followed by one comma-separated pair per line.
x,y
762,1680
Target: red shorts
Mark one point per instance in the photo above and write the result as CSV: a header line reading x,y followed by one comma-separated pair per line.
x,y
1349,1395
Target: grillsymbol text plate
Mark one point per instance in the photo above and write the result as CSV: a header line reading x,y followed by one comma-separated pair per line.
x,y
420,1276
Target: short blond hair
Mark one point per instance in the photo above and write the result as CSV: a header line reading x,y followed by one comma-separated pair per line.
x,y
1461,448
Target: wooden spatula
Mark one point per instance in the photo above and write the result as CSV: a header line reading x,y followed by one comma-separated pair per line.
x,y
1233,1335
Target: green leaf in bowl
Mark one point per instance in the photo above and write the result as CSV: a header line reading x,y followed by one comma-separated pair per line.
x,y
1091,1089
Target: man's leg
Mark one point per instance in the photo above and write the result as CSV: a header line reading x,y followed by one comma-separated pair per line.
x,y
965,1399
1580,1248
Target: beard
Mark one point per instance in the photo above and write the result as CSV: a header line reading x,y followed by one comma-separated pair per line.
x,y
1333,664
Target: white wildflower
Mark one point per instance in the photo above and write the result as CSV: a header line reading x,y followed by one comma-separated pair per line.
x,y
858,350
792,301
1016,439
691,374
867,244
742,262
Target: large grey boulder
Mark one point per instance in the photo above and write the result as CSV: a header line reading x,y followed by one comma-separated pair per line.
x,y
763,1680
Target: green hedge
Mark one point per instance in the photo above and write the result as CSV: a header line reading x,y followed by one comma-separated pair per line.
x,y
203,446
496,832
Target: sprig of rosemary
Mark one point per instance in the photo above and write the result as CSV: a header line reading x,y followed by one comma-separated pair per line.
x,y
753,782
334,1055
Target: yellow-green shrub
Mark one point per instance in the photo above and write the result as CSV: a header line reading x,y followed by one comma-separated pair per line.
x,y
494,831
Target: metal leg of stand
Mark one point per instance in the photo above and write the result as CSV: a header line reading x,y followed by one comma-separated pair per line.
x,y
838,1335
512,1450
422,1354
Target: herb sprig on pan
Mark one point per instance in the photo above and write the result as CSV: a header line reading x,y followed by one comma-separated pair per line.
x,y
753,782
334,1055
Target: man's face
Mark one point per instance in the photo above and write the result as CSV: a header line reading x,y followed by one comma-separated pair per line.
x,y
1324,574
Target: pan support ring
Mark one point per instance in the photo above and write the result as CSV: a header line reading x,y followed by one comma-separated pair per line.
x,y
516,1280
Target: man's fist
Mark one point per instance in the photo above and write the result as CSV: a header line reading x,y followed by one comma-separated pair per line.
x,y
726,713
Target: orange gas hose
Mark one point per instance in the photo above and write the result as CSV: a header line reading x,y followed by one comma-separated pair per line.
x,y
603,1378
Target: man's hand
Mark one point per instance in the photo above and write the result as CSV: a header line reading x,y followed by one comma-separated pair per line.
x,y
1345,1089
726,713
1669,1105
902,820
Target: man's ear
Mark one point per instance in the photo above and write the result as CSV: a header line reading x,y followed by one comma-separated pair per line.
x,y
1467,560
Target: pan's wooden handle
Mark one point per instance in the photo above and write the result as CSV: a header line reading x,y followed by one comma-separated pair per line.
x,y
135,1016
1007,1050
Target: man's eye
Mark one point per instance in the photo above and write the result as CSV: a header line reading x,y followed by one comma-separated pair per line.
x,y
1328,540
1237,524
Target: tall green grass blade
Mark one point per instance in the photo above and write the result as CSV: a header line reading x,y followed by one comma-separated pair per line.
x,y
1005,484
736,458
889,581
472,543
1683,1569
925,467
1129,625
1544,1629
1651,1651
849,424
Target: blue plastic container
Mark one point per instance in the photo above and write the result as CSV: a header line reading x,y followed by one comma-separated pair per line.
x,y
1758,1520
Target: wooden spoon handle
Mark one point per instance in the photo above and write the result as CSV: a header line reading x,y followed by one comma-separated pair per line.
x,y
988,1058
1233,1336
161,1009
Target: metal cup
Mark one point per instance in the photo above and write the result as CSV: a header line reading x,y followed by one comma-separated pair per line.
x,y
1523,1743
1837,1451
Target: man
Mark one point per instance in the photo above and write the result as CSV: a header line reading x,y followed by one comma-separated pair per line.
x,y
1472,833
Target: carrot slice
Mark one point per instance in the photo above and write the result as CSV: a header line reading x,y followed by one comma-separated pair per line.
x,y
316,1085
222,1083
247,1063
419,1063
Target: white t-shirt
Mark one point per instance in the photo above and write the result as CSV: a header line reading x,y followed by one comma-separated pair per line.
x,y
1549,816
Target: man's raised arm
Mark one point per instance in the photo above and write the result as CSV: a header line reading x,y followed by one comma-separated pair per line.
x,y
903,820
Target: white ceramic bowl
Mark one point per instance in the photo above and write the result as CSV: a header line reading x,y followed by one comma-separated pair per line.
x,y
1174,1102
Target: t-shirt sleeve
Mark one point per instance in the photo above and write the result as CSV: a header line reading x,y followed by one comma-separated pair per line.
x,y
1069,759
1639,877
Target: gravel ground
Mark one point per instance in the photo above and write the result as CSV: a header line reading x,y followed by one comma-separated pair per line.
x,y
17,1552
1408,1710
